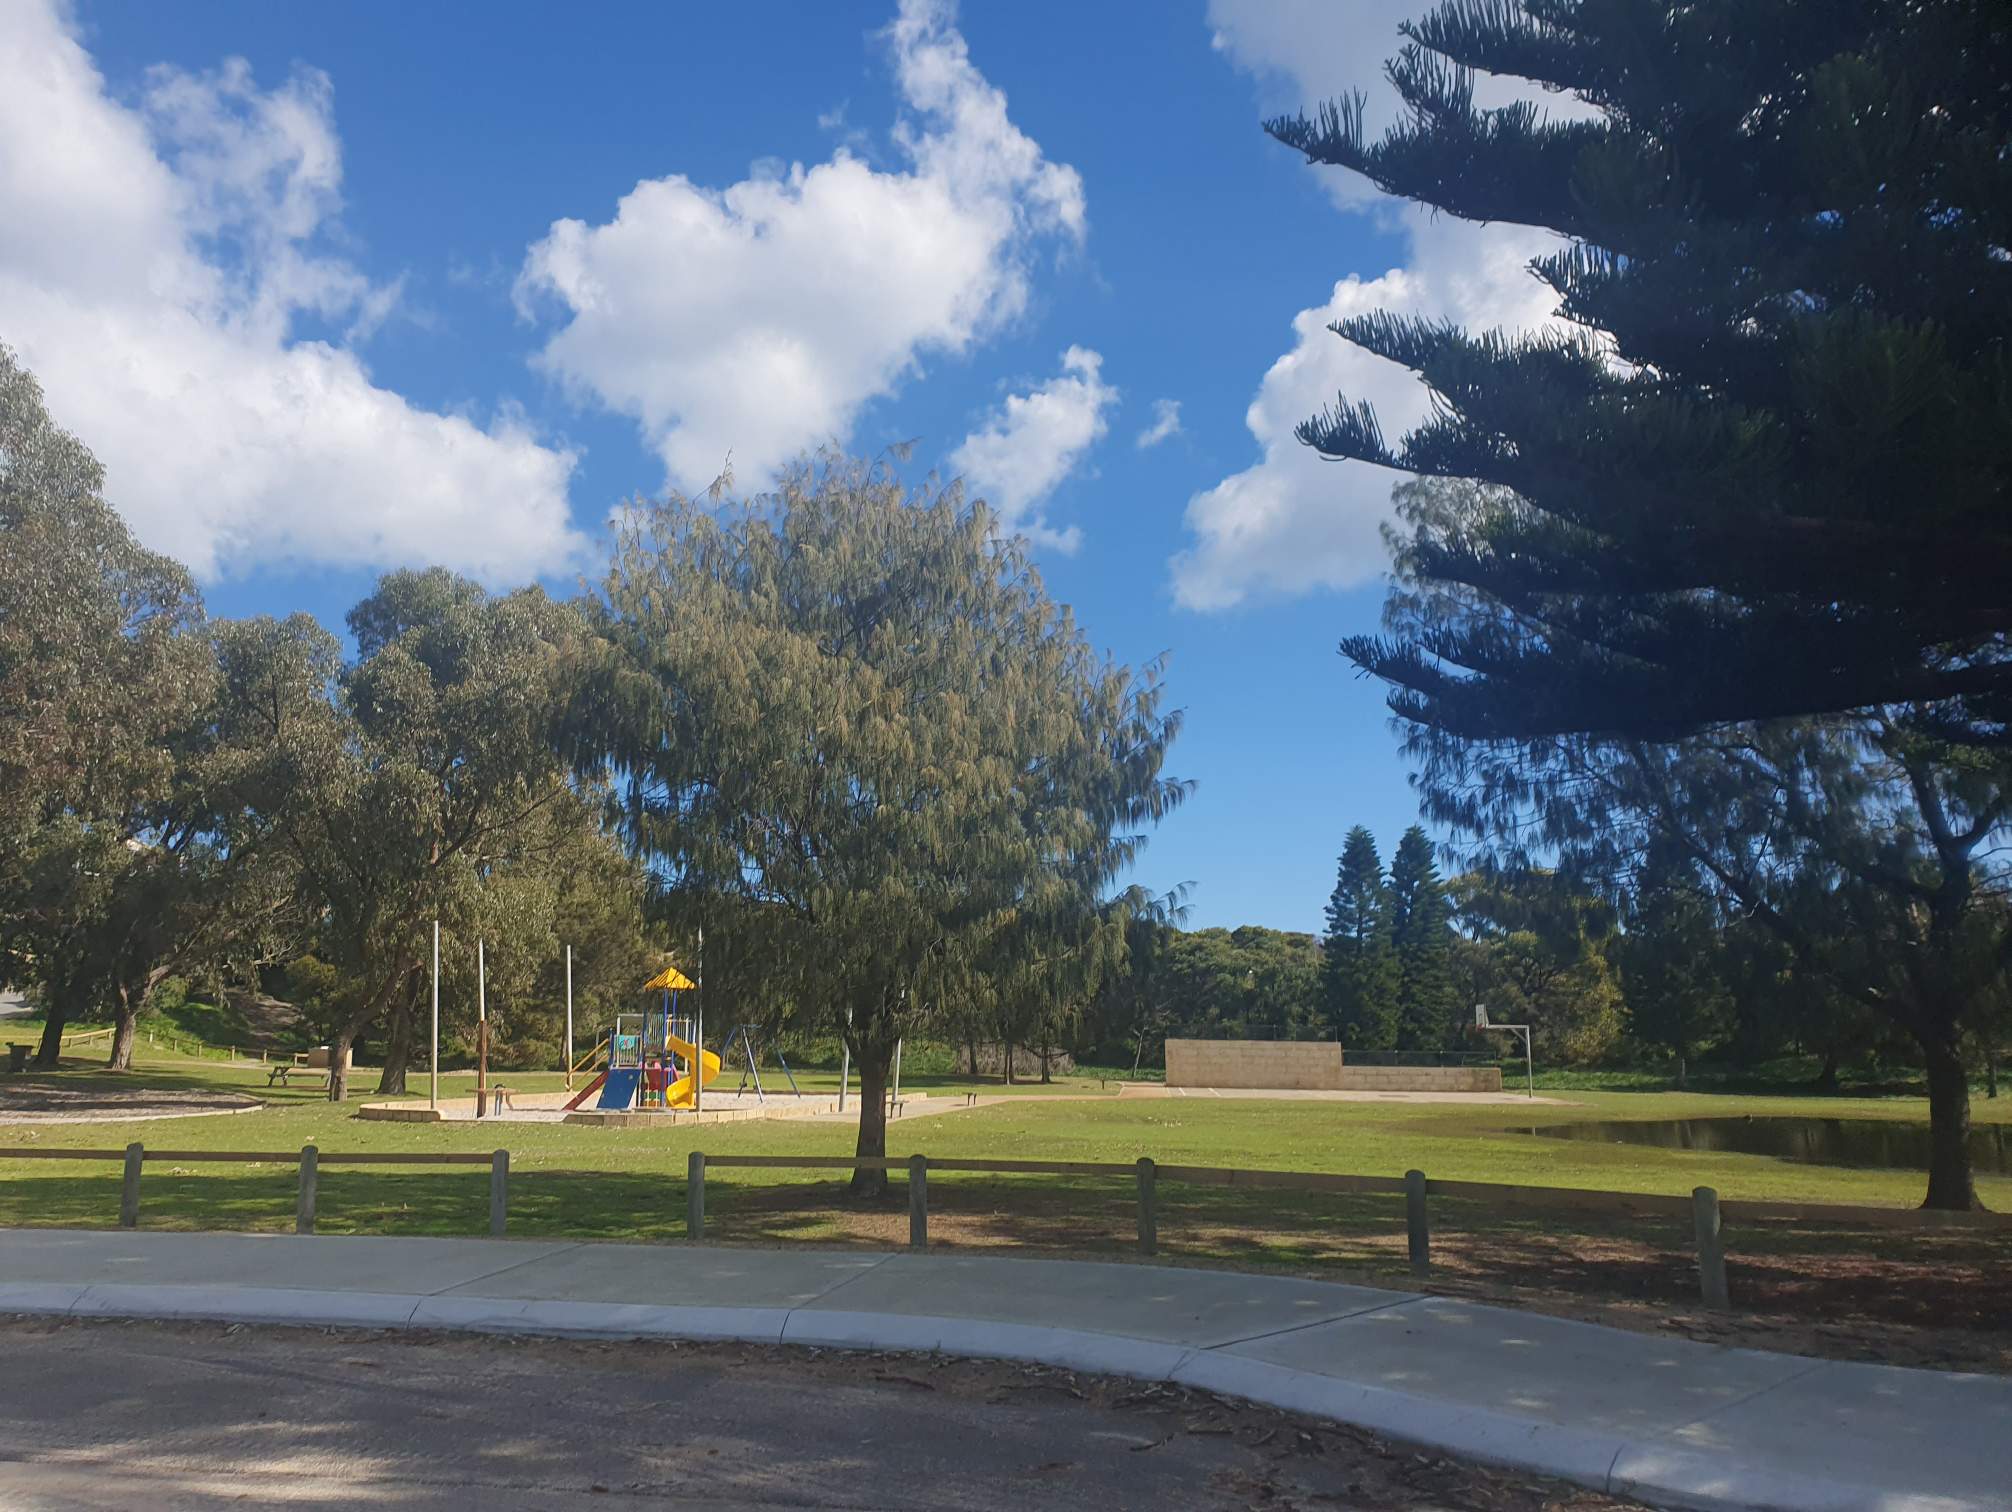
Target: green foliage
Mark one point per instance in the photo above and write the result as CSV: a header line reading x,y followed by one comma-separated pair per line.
x,y
1421,937
865,752
401,785
1721,563
113,870
1359,974
1539,953
1763,472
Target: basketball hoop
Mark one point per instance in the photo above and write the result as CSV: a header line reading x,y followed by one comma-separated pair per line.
x,y
1481,1025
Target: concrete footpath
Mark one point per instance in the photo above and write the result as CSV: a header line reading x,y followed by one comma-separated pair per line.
x,y
1664,1420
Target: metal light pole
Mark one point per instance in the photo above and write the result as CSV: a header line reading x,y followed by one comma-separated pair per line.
x,y
481,1027
433,1059
569,1018
699,1031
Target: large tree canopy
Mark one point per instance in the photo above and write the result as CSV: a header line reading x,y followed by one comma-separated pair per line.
x,y
110,875
852,723
403,784
1768,461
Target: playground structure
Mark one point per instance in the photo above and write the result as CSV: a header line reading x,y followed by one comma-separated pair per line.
x,y
653,1060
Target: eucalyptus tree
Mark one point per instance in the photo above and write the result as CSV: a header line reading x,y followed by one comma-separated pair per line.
x,y
397,785
849,720
105,681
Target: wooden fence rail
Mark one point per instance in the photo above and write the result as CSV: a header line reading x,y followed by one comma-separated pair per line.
x,y
1703,1208
308,1158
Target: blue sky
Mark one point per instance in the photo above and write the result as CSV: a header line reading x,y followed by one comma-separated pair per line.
x,y
338,288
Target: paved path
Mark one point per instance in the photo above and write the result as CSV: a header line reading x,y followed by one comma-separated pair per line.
x,y
1666,1420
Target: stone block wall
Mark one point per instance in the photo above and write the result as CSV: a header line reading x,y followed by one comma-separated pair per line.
x,y
1310,1066
1299,1065
1422,1079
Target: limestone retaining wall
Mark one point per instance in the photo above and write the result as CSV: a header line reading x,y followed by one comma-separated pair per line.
x,y
1422,1079
1310,1066
1301,1065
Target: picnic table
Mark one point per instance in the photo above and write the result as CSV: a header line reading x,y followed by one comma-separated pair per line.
x,y
283,1073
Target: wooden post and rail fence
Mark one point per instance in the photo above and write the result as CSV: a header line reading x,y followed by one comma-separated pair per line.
x,y
1706,1213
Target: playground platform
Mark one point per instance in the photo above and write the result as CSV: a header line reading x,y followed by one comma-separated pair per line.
x,y
1667,1420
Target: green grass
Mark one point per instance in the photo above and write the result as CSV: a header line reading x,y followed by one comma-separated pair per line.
x,y
602,1182
1464,1142
585,1182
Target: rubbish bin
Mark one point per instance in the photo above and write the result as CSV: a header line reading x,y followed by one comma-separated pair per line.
x,y
17,1056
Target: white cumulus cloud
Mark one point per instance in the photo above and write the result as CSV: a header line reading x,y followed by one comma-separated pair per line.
x,y
1033,441
1292,523
755,321
157,261
1166,423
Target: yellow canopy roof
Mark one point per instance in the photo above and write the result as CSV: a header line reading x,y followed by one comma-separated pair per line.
x,y
670,979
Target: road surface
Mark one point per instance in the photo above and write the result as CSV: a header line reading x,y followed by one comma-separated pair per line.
x,y
171,1416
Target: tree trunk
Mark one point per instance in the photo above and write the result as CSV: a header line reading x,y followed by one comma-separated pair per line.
x,y
1046,1079
397,1050
125,1019
874,1062
338,1064
1991,1072
49,1054
1826,1079
971,1051
1949,1183
1006,1059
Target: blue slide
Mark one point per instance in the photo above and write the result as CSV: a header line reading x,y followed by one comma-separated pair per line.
x,y
619,1091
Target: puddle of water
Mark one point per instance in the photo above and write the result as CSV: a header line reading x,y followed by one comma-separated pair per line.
x,y
1862,1143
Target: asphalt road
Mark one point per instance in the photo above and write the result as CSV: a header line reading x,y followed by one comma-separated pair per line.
x,y
199,1415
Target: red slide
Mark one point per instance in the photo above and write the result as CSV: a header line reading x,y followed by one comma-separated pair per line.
x,y
591,1088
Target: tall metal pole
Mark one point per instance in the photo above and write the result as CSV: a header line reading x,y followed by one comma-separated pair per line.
x,y
481,1028
433,1060
699,1031
569,1018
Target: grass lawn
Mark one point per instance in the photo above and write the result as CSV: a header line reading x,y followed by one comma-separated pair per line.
x,y
629,1184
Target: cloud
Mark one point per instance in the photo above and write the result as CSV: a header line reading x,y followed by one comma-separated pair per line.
x,y
757,320
1033,441
1292,523
1166,423
157,263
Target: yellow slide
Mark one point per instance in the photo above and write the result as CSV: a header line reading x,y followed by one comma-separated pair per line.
x,y
679,1093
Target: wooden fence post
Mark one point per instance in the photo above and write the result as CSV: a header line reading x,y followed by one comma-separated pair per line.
x,y
499,1191
129,1189
918,1202
1417,1231
310,1178
695,1196
1711,1250
1149,1218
